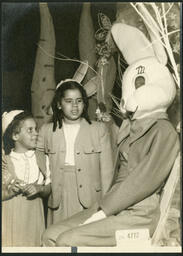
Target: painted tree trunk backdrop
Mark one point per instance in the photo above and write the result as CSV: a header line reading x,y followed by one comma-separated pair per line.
x,y
87,51
87,42
43,83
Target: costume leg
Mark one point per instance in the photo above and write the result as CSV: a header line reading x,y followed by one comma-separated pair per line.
x,y
102,233
99,233
50,235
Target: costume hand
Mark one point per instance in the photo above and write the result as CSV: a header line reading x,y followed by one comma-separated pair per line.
x,y
95,217
30,190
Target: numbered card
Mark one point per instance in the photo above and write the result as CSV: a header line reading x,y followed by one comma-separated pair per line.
x,y
132,235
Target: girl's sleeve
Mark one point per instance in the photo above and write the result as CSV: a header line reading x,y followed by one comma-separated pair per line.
x,y
7,178
106,158
44,178
6,175
147,176
47,177
40,151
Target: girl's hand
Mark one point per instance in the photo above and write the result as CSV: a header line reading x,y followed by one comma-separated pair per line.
x,y
10,190
14,187
30,190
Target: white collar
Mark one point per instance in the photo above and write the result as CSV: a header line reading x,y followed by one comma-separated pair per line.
x,y
29,154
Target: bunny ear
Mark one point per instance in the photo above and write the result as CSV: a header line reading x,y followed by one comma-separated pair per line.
x,y
81,72
91,86
152,28
132,43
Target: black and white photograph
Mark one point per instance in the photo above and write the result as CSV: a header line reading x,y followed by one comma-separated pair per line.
x,y
91,127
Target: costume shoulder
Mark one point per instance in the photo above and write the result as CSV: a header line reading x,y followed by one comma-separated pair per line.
x,y
166,127
166,133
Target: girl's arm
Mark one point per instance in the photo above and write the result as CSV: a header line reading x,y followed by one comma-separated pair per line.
x,y
45,190
41,157
6,193
106,158
9,182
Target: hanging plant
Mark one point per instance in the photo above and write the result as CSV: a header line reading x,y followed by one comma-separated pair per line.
x,y
104,63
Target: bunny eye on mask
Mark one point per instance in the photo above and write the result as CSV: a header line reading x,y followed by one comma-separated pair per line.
x,y
139,81
147,84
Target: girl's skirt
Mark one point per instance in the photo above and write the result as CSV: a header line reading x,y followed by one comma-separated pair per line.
x,y
22,222
70,200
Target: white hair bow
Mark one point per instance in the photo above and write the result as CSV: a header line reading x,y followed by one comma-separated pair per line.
x,y
8,117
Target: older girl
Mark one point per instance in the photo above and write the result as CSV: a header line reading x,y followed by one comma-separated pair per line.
x,y
79,153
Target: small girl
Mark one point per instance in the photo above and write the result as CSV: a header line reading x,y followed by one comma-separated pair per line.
x,y
23,184
79,151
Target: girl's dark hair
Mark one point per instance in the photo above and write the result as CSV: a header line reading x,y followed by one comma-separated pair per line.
x,y
13,128
59,94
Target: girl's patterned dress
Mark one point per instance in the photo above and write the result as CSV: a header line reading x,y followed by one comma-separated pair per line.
x,y
23,219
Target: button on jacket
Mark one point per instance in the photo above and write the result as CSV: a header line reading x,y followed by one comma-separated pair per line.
x,y
93,161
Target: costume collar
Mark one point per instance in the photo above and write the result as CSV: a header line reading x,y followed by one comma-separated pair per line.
x,y
138,127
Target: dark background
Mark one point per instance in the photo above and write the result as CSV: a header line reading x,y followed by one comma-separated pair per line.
x,y
20,35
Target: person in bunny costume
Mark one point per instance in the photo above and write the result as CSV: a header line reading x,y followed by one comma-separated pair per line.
x,y
147,148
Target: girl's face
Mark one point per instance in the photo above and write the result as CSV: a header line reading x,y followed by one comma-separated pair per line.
x,y
26,139
72,105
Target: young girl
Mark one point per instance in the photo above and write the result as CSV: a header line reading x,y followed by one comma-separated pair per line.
x,y
79,153
23,184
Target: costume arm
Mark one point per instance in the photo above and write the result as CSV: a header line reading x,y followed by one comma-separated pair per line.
x,y
147,176
106,159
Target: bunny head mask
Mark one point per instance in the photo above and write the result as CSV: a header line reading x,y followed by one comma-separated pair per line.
x,y
147,84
